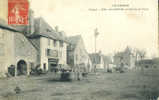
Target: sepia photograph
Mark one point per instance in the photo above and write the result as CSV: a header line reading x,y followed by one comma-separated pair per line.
x,y
79,50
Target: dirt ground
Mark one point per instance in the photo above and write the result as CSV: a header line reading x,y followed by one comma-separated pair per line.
x,y
133,85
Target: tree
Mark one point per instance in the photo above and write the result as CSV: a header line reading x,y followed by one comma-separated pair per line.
x,y
141,54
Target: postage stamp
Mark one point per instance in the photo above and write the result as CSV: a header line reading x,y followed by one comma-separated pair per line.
x,y
18,12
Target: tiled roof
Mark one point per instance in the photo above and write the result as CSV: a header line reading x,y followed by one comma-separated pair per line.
x,y
35,44
73,40
3,24
21,28
42,28
14,28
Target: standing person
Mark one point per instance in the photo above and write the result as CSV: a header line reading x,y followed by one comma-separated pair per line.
x,y
78,73
95,68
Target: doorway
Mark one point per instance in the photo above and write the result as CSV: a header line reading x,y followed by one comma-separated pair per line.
x,y
21,68
52,63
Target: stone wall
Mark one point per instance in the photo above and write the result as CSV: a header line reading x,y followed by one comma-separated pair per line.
x,y
6,50
24,50
70,58
36,43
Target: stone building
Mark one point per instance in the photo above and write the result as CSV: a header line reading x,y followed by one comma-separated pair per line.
x,y
97,60
16,51
51,45
125,59
27,46
78,57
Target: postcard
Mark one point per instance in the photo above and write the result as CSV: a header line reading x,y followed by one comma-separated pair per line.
x,y
79,50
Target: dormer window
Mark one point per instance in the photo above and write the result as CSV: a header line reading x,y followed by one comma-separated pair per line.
x,y
48,30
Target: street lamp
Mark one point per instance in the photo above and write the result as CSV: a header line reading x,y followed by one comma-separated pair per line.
x,y
96,33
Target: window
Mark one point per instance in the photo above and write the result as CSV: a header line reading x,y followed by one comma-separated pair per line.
x,y
61,43
48,52
44,65
55,43
49,41
52,53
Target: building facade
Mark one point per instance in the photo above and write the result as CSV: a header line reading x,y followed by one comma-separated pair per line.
x,y
51,45
25,47
97,60
78,57
15,51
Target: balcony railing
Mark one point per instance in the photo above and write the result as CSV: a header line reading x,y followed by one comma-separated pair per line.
x,y
51,53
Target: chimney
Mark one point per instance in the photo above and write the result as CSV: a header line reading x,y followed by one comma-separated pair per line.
x,y
31,21
30,27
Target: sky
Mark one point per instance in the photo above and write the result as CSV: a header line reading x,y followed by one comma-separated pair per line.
x,y
117,29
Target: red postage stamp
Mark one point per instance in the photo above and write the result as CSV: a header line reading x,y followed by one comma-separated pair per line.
x,y
18,12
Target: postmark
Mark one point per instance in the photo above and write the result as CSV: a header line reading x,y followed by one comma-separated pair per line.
x,y
18,12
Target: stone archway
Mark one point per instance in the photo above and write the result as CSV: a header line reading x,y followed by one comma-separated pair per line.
x,y
21,67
